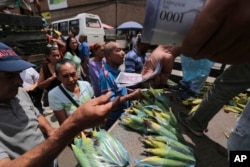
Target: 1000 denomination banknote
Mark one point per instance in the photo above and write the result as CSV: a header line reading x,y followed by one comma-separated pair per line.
x,y
167,22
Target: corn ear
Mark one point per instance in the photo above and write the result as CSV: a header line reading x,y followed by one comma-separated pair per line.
x,y
158,161
240,105
137,104
156,128
148,112
80,156
111,149
173,119
154,143
194,109
176,145
196,101
134,122
154,107
232,109
170,153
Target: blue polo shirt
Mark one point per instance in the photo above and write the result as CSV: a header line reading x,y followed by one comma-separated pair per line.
x,y
107,83
84,50
134,61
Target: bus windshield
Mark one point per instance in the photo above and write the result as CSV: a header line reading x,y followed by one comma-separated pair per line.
x,y
93,23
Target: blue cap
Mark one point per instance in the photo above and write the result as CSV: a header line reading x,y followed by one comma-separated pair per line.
x,y
10,61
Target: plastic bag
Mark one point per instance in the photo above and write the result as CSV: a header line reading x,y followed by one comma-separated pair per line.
x,y
195,72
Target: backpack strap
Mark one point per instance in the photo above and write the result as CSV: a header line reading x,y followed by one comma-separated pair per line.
x,y
68,96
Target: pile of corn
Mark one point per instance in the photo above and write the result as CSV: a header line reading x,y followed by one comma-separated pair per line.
x,y
164,145
236,105
100,150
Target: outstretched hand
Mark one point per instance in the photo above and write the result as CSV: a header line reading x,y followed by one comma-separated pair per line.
x,y
94,112
134,94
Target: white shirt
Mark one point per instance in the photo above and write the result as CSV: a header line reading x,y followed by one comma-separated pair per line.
x,y
29,76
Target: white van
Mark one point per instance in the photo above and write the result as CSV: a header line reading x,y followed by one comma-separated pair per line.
x,y
84,23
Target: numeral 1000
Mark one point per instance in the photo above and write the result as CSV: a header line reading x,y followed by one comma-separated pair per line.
x,y
170,16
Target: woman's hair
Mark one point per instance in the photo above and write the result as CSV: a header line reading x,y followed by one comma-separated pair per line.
x,y
68,49
96,47
61,62
49,49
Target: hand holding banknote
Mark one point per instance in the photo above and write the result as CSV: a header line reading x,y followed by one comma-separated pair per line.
x,y
164,55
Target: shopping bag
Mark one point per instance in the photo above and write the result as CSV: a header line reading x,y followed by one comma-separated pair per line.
x,y
167,22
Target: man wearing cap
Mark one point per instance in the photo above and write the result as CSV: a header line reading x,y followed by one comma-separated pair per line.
x,y
22,141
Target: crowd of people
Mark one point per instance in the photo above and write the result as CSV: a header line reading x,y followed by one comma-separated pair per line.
x,y
64,90
66,93
224,32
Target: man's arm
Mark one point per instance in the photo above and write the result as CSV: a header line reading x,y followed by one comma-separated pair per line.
x,y
45,126
205,26
220,32
132,95
88,115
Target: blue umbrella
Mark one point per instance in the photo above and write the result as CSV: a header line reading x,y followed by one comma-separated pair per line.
x,y
130,25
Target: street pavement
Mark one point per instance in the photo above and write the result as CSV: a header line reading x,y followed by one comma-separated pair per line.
x,y
210,149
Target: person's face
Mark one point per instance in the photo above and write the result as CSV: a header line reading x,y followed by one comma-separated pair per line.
x,y
54,56
68,75
73,44
9,83
116,58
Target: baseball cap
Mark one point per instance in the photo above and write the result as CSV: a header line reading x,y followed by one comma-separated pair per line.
x,y
10,61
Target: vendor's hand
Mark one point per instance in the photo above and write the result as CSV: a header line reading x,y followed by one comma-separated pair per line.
x,y
93,112
134,94
220,32
164,55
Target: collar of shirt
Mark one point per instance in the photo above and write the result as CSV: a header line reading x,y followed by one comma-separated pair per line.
x,y
114,71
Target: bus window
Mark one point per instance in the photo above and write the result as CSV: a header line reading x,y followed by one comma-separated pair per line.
x,y
54,26
93,23
75,25
63,28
